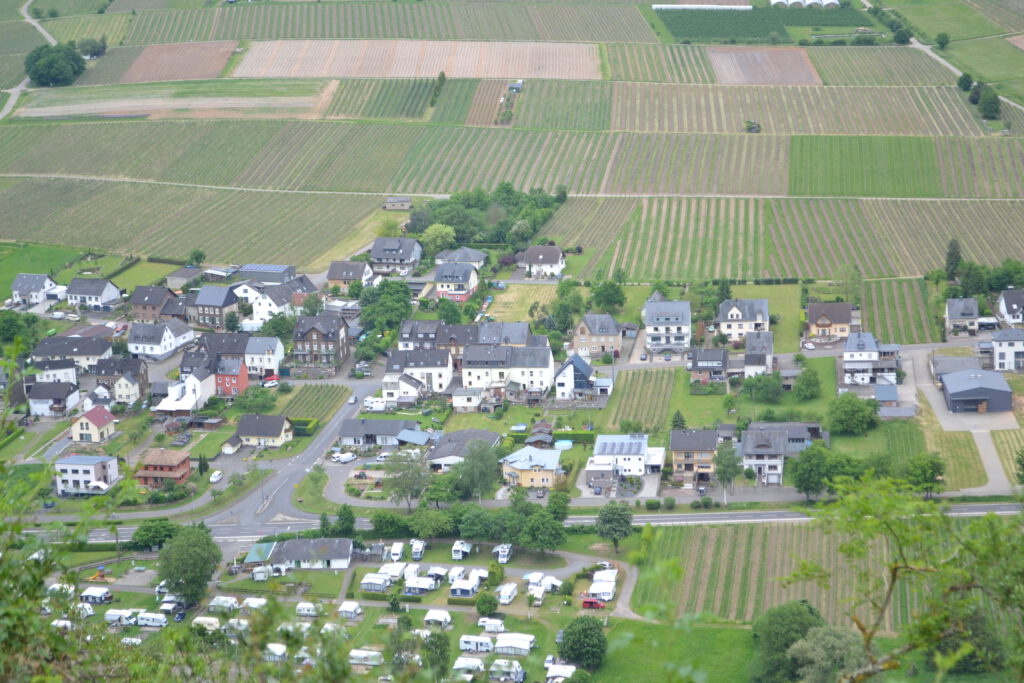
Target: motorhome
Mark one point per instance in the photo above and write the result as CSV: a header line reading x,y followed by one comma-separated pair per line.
x,y
507,593
365,658
468,665
418,548
456,574
119,617
84,609
461,550
152,619
504,553
307,609
468,643
397,550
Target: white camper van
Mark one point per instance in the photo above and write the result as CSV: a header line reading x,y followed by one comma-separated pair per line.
x,y
84,609
469,643
211,624
418,547
461,550
490,625
397,550
504,553
152,619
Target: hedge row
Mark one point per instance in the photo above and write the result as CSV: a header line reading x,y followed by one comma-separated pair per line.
x,y
12,436
576,436
462,601
305,426
123,267
168,261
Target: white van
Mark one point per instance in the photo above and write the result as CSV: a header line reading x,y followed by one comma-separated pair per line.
x,y
418,547
365,658
119,617
469,643
211,624
152,619
307,609
507,593
397,550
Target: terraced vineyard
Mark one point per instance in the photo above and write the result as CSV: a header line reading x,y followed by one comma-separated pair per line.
x,y
896,311
659,63
836,166
981,168
641,396
483,21
593,223
878,66
565,105
317,401
732,572
113,26
455,101
386,99
12,70
170,221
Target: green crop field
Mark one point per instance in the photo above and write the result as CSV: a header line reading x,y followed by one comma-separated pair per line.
x,y
170,221
995,60
317,401
755,26
896,311
955,17
110,68
384,99
642,396
113,26
455,100
733,572
659,63
593,224
864,166
565,105
143,273
66,8
371,20
878,66
12,70
17,37
1008,442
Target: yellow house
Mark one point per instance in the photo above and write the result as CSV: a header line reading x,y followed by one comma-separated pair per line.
x,y
532,467
272,431
829,320
95,426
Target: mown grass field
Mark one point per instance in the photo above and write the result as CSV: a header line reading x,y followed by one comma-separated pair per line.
x,y
897,311
514,303
783,301
12,70
1008,442
955,17
863,166
456,98
142,273
18,38
964,468
318,401
31,258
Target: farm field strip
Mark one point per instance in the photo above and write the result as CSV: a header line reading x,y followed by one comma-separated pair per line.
x,y
391,99
642,398
113,26
1008,442
981,168
419,59
897,311
12,70
348,20
111,68
593,223
891,66
456,99
1006,14
564,105
317,401
483,109
762,65
864,167
18,38
180,62
659,63
958,450
169,221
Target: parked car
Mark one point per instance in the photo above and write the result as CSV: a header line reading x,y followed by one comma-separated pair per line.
x,y
216,476
74,317
643,356
58,315
668,357
383,457
809,346
360,475
352,400
605,565
271,378
179,616
343,457
597,490
541,493
593,603
270,384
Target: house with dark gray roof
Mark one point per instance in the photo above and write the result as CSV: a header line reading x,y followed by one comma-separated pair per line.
x,y
63,370
267,273
85,351
158,340
541,262
736,317
708,364
433,368
320,340
867,361
1008,350
395,255
693,454
473,257
93,294
282,299
518,373
1011,306
962,315
366,433
597,334
450,449
303,553
829,319
765,446
667,324
110,370
264,431
758,354
456,281
576,380
341,274
52,399
976,391
211,305
263,356
148,302
32,288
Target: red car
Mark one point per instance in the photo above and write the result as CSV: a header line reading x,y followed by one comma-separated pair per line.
x,y
271,378
593,603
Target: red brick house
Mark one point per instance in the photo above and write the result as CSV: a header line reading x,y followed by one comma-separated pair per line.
x,y
160,465
232,377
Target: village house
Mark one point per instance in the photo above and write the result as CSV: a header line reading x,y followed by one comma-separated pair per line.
x,y
263,356
451,448
267,273
667,325
1008,350
1011,306
541,262
709,364
282,299
736,317
400,389
866,361
575,380
766,445
473,257
110,371
158,340
395,255
78,475
55,371
597,334
264,431
148,302
95,426
363,433
759,354
434,369
210,306
962,315
52,399
86,352
93,294
397,204
320,340
693,454
211,348
29,289
532,467
341,274
278,557
455,281
231,377
189,394
177,279
160,465
829,319
520,374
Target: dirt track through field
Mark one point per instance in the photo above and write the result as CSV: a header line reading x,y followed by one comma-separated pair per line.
x,y
167,105
180,62
762,66
419,59
1017,41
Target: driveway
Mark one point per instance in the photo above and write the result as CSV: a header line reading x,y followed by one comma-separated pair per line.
x,y
965,422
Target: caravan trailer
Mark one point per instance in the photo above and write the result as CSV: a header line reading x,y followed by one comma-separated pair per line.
x,y
152,619
307,609
504,553
461,550
211,624
365,658
455,574
469,643
397,550
119,617
507,593
418,547
97,595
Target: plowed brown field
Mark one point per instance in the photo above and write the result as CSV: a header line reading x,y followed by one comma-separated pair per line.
x,y
762,66
419,59
180,62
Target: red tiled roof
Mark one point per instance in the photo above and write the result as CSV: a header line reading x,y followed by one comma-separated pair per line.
x,y
99,416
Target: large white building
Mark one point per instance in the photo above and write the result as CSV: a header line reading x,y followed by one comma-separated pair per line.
x,y
1008,350
433,368
513,370
667,325
85,474
736,317
865,361
158,340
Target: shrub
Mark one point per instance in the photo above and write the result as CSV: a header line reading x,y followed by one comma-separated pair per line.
x,y
695,504
653,504
670,503
706,502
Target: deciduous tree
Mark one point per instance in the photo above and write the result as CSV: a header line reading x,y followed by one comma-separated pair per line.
x,y
558,505
608,296
850,414
924,472
407,477
478,469
775,632
256,400
728,466
825,652
810,470
807,386
584,642
486,604
942,40
542,532
448,312
614,522
188,561
153,533
953,259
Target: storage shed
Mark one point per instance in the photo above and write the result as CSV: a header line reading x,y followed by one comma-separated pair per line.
x,y
976,391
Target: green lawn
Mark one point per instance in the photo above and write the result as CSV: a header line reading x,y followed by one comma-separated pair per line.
x,y
991,59
31,258
77,559
97,267
954,17
514,415
30,442
783,301
210,443
319,580
143,273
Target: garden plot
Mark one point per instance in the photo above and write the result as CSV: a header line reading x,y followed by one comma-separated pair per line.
x,y
763,65
642,396
419,59
1017,41
180,62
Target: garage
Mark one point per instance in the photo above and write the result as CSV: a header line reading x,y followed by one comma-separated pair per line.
x,y
976,391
